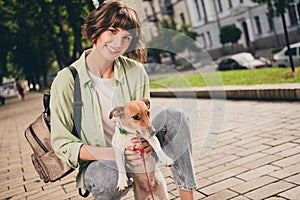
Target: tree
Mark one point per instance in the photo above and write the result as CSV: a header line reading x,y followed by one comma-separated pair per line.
x,y
8,30
230,34
37,33
278,8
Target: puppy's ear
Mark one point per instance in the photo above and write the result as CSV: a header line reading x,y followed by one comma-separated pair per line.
x,y
147,102
117,112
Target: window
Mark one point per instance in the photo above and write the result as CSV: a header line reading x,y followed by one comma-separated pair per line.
x,y
197,8
202,36
220,6
293,14
209,38
182,18
292,50
270,22
230,3
258,25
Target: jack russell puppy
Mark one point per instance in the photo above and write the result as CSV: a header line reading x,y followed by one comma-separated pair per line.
x,y
133,121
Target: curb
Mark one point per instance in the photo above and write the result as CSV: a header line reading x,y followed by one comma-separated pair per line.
x,y
274,92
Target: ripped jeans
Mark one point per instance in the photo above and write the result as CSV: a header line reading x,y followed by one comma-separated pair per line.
x,y
173,133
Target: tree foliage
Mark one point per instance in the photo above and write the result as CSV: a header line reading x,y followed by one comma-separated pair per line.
x,y
229,34
275,7
35,34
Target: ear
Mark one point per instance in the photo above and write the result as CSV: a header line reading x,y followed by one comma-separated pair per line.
x,y
117,112
147,102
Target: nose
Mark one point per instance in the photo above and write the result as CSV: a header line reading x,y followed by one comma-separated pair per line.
x,y
151,130
117,40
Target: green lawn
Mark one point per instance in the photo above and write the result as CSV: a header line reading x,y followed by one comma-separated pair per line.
x,y
234,77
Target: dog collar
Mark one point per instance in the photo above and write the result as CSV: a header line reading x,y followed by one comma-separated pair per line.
x,y
122,131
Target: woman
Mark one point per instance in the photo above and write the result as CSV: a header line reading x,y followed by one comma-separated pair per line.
x,y
107,79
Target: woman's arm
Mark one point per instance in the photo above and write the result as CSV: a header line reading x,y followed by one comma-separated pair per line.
x,y
96,153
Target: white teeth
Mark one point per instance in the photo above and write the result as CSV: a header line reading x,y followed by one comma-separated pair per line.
x,y
112,49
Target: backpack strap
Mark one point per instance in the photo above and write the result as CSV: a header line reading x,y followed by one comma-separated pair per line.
x,y
77,104
77,113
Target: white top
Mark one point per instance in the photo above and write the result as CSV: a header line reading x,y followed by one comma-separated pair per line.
x,y
104,88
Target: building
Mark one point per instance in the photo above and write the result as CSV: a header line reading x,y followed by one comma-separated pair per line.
x,y
153,11
258,30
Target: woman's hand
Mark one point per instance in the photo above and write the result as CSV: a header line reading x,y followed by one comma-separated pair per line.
x,y
133,154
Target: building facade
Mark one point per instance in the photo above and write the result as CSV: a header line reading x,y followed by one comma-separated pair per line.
x,y
259,31
153,11
207,17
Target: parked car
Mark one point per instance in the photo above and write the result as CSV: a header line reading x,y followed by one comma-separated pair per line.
x,y
242,60
281,59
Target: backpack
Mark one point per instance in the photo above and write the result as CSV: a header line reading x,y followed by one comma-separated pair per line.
x,y
38,134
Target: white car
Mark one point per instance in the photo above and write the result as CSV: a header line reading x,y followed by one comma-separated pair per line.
x,y
243,60
281,59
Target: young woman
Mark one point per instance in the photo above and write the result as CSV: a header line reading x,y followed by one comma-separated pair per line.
x,y
109,78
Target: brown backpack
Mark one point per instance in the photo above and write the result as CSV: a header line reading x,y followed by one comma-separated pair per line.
x,y
38,134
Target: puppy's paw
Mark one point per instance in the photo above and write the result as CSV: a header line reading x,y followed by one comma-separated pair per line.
x,y
122,183
168,162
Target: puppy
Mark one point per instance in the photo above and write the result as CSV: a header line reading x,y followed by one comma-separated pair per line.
x,y
133,120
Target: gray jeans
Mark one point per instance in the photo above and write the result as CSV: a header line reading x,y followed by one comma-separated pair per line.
x,y
101,177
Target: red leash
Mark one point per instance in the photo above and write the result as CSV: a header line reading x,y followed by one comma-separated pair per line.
x,y
142,151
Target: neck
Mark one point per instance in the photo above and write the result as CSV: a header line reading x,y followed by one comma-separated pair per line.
x,y
99,66
124,131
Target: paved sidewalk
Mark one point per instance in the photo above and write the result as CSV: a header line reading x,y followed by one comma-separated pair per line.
x,y
242,150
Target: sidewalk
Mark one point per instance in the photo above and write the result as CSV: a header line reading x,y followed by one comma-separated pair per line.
x,y
242,150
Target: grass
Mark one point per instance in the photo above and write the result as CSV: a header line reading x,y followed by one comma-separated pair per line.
x,y
234,77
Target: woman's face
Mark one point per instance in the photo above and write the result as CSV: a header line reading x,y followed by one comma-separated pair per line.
x,y
113,43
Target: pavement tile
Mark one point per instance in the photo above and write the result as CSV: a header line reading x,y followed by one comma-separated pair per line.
x,y
249,158
290,152
218,169
224,194
221,185
270,190
253,184
294,179
254,173
285,162
262,161
286,172
252,150
292,194
240,197
234,172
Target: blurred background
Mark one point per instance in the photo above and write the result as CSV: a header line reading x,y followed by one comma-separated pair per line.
x,y
40,37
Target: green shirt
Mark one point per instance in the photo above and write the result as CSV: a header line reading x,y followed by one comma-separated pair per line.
x,y
64,143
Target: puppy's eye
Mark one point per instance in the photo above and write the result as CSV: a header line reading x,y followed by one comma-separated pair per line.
x,y
136,117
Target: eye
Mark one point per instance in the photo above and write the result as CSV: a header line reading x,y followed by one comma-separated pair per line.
x,y
112,30
128,38
136,117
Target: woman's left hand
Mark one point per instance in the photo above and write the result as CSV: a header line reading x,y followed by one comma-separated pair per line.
x,y
133,154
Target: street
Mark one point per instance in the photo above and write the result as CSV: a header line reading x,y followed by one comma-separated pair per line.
x,y
242,150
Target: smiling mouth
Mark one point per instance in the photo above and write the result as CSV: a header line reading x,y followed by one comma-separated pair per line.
x,y
113,50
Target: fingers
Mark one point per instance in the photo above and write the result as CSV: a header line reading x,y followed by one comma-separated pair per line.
x,y
147,147
132,156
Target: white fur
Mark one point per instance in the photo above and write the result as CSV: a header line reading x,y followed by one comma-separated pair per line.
x,y
120,142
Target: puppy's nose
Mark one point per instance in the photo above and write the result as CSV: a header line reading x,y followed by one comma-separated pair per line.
x,y
151,130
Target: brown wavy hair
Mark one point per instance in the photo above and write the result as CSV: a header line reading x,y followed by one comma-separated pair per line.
x,y
114,13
